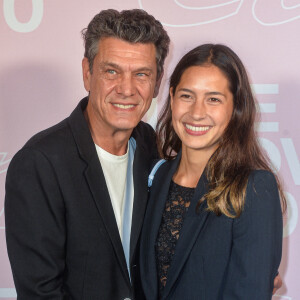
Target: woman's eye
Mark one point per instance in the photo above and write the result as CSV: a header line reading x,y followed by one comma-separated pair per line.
x,y
185,96
214,100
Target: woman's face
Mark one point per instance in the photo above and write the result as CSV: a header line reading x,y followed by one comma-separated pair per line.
x,y
201,107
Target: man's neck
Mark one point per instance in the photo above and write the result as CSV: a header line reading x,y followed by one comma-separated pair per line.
x,y
112,141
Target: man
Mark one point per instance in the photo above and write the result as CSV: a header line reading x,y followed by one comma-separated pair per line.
x,y
76,190
76,193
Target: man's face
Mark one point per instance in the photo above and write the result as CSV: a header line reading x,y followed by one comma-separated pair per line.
x,y
121,85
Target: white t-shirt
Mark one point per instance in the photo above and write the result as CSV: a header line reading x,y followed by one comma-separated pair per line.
x,y
115,168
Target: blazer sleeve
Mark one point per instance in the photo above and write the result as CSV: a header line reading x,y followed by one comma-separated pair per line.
x,y
35,226
257,242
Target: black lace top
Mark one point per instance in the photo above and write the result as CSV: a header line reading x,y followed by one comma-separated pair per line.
x,y
177,204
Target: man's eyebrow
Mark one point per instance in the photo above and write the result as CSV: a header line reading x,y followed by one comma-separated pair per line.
x,y
116,66
109,64
143,69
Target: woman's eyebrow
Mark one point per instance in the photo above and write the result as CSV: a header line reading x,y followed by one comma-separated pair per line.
x,y
214,93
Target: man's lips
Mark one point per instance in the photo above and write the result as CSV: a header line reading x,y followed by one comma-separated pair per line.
x,y
124,106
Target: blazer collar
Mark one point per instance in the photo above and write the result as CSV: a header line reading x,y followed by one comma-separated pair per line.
x,y
81,132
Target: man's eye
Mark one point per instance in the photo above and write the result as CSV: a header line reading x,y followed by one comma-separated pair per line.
x,y
111,71
141,74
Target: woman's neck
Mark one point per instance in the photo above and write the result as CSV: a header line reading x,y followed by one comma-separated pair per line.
x,y
191,166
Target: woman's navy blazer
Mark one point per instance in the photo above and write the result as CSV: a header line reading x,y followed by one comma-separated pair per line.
x,y
216,257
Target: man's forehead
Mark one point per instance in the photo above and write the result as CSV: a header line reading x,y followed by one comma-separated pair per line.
x,y
112,45
119,52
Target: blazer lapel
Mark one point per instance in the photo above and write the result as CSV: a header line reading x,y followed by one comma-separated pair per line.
x,y
96,181
140,177
158,195
192,225
141,164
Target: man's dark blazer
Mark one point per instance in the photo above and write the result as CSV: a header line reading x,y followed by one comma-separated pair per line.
x,y
216,257
62,237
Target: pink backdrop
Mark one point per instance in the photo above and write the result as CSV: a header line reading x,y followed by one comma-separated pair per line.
x,y
40,81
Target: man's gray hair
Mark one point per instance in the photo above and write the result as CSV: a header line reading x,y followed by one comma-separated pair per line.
x,y
134,26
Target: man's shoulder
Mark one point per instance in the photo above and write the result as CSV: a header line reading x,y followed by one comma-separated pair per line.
x,y
46,146
59,135
51,135
58,145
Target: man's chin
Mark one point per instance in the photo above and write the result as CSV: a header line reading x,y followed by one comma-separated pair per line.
x,y
125,127
126,124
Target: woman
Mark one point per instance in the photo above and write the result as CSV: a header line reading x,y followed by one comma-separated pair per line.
x,y
213,226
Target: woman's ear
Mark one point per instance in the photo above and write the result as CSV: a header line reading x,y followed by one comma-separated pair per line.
x,y
157,85
171,97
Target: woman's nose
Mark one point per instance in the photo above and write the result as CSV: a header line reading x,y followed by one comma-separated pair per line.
x,y
198,110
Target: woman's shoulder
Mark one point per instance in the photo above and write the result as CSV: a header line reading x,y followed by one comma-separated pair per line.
x,y
262,190
262,179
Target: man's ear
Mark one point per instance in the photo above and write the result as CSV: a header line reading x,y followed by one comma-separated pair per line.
x,y
86,74
157,85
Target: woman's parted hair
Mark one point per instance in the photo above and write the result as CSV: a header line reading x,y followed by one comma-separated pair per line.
x,y
239,151
134,26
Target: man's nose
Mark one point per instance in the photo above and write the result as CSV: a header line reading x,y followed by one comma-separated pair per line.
x,y
126,86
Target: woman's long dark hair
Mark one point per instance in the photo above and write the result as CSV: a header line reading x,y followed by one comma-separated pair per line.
x,y
239,151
